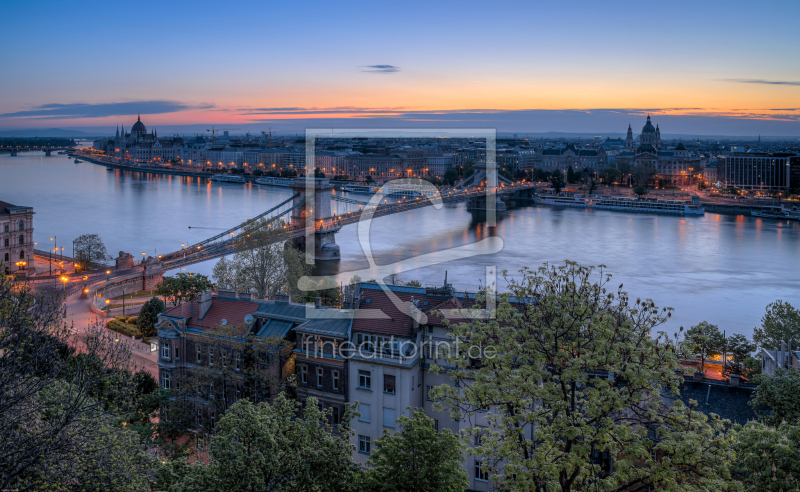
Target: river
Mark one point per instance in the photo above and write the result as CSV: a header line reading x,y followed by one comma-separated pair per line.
x,y
721,268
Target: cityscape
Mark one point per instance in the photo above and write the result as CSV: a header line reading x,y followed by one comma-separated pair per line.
x,y
308,262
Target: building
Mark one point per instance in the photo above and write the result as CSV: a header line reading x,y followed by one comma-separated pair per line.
x,y
517,159
194,153
140,146
16,238
570,156
675,166
756,170
329,162
376,166
438,164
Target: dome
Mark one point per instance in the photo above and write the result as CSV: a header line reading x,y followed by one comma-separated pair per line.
x,y
648,127
138,127
680,146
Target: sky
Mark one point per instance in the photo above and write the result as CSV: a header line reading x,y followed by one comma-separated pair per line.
x,y
721,68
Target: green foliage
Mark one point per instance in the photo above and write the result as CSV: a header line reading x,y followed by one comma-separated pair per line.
x,y
703,340
775,401
416,458
571,176
148,316
609,174
740,349
541,174
640,190
61,421
269,448
123,328
590,186
183,287
574,373
643,172
413,283
767,458
450,176
318,173
90,250
557,181
781,322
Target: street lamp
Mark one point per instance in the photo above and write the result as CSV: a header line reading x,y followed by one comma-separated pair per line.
x,y
108,272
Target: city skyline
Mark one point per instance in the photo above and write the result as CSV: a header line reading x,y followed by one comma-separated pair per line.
x,y
699,69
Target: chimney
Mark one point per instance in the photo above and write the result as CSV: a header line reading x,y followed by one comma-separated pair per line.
x,y
318,302
283,298
247,296
203,303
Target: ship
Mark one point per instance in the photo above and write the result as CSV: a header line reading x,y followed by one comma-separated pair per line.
x,y
777,213
625,204
227,178
283,182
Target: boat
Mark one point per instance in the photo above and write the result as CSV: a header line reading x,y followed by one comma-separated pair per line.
x,y
227,178
777,213
369,190
625,204
77,161
284,182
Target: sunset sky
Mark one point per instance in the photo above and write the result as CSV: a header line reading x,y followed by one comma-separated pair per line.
x,y
699,67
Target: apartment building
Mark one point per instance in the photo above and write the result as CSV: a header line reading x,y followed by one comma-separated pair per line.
x,y
16,238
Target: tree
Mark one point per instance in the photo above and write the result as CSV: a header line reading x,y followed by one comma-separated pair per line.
x,y
573,381
643,172
571,177
318,173
416,458
393,279
704,340
740,348
148,316
90,250
60,409
450,176
590,186
775,401
640,190
541,174
609,174
767,458
280,447
781,322
413,283
625,168
183,287
557,182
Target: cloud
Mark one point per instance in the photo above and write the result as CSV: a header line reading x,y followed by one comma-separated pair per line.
x,y
380,69
83,110
762,81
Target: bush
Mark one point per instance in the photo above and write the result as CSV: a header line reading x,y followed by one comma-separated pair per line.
x,y
148,316
123,328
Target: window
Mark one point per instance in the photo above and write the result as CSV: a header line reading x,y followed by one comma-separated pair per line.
x,y
436,425
166,383
6,258
480,472
199,417
197,350
165,349
238,393
319,377
388,384
21,255
5,228
388,417
5,243
363,444
21,239
238,361
304,374
335,415
428,389
364,409
177,353
21,225
364,380
336,380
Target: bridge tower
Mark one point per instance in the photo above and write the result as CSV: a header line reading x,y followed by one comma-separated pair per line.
x,y
47,151
13,151
486,173
318,208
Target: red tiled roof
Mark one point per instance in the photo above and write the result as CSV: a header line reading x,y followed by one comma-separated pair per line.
x,y
233,311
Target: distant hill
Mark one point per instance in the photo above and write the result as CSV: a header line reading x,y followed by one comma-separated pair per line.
x,y
45,132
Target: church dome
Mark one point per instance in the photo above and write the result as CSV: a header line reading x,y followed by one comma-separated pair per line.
x,y
648,127
680,146
138,127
